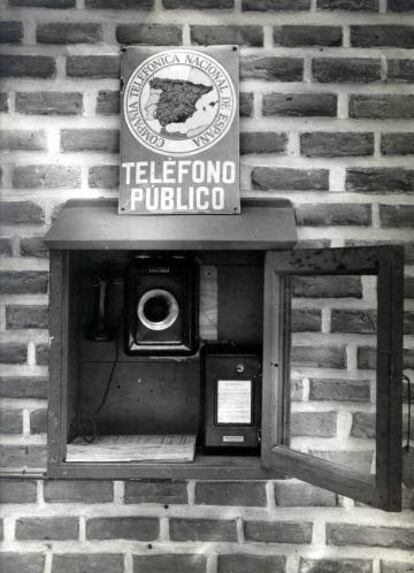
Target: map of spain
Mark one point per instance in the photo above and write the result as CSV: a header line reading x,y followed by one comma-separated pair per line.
x,y
174,101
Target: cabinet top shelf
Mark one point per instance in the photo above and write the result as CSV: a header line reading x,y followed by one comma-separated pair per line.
x,y
94,225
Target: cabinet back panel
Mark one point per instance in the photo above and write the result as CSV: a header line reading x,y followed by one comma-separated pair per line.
x,y
148,397
240,304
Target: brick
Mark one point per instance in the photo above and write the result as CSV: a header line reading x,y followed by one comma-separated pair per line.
x,y
136,528
348,5
120,4
335,565
339,144
38,421
231,493
11,422
354,321
327,287
87,562
388,35
156,491
11,32
408,359
359,461
263,142
292,36
23,387
408,326
33,247
14,456
363,425
381,106
203,530
285,178
271,68
397,215
16,212
400,6
370,535
93,67
60,4
400,71
170,563
245,104
17,491
409,287
6,249
46,177
107,102
346,70
22,562
315,214
79,491
68,33
274,5
22,140
278,531
47,528
14,66
4,102
320,424
42,354
339,390
13,353
299,105
379,179
296,494
244,563
199,4
395,567
397,143
229,34
319,356
104,177
103,140
154,34
49,103
366,357
306,320
26,316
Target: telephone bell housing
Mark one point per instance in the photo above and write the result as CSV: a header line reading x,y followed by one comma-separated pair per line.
x,y
161,306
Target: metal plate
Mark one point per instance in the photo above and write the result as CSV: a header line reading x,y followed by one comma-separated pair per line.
x,y
179,131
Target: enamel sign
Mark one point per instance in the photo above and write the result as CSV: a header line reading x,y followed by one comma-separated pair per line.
x,y
179,131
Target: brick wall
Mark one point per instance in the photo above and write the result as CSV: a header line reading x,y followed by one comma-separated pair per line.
x,y
327,120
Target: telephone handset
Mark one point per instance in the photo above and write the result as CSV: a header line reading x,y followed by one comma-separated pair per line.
x,y
99,328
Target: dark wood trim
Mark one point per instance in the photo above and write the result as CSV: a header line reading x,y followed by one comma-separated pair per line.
x,y
329,261
384,489
96,225
55,453
270,386
389,378
326,474
204,467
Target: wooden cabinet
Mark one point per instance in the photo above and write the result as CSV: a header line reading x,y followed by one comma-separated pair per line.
x,y
250,292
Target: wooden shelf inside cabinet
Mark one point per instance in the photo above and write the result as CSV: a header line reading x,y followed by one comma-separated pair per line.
x,y
145,448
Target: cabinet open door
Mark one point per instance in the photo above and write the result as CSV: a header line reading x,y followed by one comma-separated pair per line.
x,y
332,367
